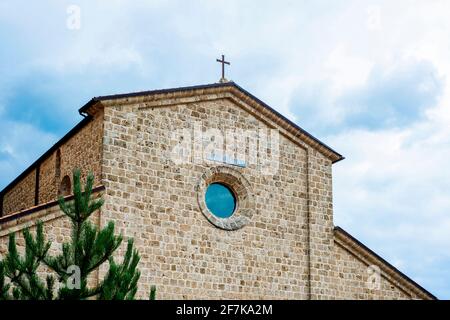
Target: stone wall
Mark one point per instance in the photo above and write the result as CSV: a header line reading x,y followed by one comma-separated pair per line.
x,y
286,250
280,244
359,273
57,228
21,196
352,280
83,150
321,240
154,200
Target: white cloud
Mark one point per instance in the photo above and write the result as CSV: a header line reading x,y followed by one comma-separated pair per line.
x,y
20,147
392,191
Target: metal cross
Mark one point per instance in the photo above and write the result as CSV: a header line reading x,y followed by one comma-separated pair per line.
x,y
223,62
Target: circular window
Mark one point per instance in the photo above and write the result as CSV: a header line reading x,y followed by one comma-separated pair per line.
x,y
220,200
225,198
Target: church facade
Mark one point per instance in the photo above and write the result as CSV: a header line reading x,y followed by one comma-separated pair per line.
x,y
225,198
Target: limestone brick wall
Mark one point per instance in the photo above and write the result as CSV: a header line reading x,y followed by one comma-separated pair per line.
x,y
282,246
352,280
48,182
83,150
320,226
57,228
21,196
154,200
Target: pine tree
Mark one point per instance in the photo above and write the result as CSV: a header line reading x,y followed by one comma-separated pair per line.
x,y
153,293
88,249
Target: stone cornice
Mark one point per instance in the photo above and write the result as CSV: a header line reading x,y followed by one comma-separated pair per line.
x,y
392,274
168,97
18,220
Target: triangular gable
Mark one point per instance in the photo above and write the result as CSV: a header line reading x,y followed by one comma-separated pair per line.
x,y
228,87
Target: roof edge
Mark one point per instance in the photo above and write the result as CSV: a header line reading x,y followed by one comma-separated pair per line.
x,y
94,100
83,110
61,141
338,230
303,131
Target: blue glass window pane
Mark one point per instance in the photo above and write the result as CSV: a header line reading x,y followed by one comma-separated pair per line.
x,y
220,200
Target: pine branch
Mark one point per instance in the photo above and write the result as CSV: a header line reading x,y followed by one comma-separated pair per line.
x,y
22,271
4,288
153,293
50,281
88,249
121,280
104,246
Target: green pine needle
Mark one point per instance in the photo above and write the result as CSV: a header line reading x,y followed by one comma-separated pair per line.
x,y
88,249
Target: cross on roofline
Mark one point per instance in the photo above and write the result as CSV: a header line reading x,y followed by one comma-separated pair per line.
x,y
223,62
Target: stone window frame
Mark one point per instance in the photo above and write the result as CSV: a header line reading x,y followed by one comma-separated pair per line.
x,y
242,190
65,186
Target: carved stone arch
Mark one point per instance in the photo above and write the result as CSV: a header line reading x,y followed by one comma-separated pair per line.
x,y
241,188
65,187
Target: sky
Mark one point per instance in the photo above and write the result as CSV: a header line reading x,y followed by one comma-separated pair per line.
x,y
368,78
